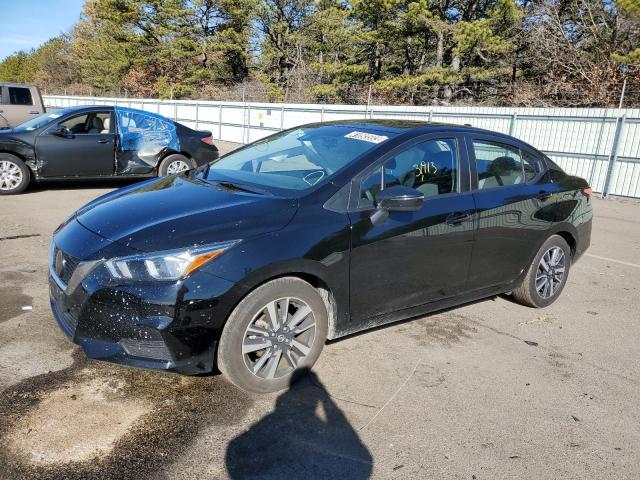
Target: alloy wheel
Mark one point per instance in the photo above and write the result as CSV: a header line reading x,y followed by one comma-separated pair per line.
x,y
177,166
550,273
10,175
278,338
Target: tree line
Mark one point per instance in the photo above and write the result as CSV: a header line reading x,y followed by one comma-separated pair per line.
x,y
488,52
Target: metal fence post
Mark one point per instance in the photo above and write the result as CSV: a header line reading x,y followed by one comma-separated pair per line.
x,y
613,158
220,123
512,125
322,114
175,111
248,122
430,116
282,118
197,116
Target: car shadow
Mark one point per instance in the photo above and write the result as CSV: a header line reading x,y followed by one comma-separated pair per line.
x,y
111,183
306,436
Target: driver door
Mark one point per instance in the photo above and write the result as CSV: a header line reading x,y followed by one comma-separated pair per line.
x,y
88,150
412,258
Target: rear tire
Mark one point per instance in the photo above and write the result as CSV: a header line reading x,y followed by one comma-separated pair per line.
x,y
175,164
547,274
14,174
261,356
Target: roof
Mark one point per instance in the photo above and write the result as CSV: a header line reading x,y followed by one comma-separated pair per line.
x,y
11,84
74,108
401,126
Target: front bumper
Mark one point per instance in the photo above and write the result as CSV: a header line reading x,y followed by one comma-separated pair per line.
x,y
167,326
106,331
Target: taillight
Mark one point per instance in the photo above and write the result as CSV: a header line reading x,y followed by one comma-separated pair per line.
x,y
587,192
208,140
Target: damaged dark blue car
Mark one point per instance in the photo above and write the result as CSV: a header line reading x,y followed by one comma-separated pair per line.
x,y
99,142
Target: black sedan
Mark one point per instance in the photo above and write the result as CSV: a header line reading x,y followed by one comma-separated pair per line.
x,y
99,142
312,234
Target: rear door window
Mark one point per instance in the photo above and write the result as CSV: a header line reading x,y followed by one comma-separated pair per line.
x,y
498,164
20,96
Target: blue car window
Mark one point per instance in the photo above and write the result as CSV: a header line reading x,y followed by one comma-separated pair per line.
x,y
145,131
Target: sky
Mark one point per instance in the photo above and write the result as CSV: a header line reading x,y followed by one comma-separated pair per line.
x,y
26,24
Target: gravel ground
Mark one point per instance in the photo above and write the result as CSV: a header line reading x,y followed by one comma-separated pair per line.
x,y
487,390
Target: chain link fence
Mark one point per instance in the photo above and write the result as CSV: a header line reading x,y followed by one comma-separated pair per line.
x,y
598,144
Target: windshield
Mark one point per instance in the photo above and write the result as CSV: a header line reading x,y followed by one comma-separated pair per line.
x,y
297,159
40,121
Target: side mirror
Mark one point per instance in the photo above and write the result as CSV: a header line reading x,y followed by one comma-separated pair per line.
x,y
61,131
400,199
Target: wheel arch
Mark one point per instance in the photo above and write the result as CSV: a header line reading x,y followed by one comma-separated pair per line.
x,y
565,230
570,239
29,162
306,271
168,152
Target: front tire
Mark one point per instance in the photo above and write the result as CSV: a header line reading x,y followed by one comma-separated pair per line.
x,y
547,274
175,164
277,329
14,174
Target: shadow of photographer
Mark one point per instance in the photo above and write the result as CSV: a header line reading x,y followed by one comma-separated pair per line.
x,y
306,436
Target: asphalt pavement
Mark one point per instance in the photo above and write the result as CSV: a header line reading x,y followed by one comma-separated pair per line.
x,y
487,390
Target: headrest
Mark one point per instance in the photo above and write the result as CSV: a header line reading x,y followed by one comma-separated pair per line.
x,y
406,159
442,159
503,165
96,122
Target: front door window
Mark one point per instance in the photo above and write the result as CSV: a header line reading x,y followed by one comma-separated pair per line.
x,y
429,167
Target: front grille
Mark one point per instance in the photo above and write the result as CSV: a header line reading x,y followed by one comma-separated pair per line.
x,y
64,269
151,349
67,319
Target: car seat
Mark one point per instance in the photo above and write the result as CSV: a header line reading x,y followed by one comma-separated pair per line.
x,y
96,125
106,125
502,171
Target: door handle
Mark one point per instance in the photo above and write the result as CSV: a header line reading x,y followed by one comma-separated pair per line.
x,y
103,140
34,112
458,217
543,195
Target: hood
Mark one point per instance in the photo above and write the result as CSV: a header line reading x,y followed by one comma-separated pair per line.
x,y
177,212
15,136
9,134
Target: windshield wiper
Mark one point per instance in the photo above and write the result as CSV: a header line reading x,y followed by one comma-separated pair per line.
x,y
238,187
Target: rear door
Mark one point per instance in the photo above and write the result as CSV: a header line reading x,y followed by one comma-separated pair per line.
x,y
412,258
18,105
510,189
88,150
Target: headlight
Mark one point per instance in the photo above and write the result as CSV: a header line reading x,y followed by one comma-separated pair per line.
x,y
168,265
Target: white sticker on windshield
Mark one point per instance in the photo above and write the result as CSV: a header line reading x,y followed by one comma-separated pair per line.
x,y
53,116
366,137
